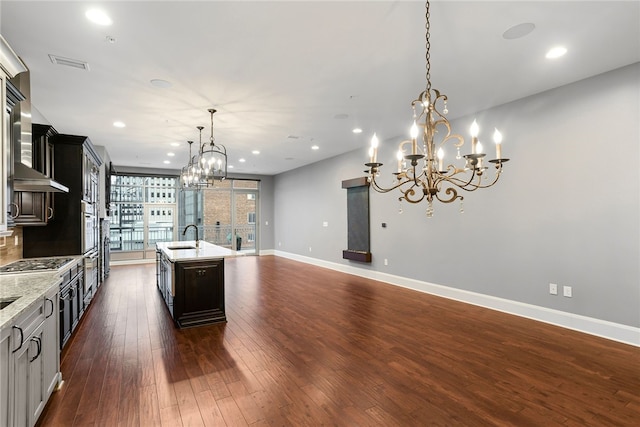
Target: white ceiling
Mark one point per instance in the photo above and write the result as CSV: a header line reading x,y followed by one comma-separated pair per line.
x,y
284,75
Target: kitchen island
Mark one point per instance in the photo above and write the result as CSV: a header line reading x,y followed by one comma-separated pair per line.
x,y
190,278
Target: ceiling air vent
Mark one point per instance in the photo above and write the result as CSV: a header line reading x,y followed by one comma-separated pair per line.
x,y
74,63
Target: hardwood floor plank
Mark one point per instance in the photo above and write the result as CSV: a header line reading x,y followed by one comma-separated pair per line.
x,y
306,346
148,406
211,415
231,413
170,416
189,410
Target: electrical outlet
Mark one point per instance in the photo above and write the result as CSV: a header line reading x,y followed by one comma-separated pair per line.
x,y
567,291
16,241
553,289
309,248
386,262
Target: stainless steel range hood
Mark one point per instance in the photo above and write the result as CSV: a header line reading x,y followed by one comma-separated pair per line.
x,y
30,180
25,178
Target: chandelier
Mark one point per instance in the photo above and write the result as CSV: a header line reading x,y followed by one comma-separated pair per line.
x,y
189,173
209,165
422,173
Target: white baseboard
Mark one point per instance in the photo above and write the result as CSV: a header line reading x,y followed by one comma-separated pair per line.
x,y
601,328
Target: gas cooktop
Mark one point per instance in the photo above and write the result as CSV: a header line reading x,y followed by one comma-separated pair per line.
x,y
34,264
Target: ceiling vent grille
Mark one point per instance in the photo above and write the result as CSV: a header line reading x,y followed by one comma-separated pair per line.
x,y
74,63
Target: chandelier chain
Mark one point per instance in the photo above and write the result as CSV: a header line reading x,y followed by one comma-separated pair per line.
x,y
428,46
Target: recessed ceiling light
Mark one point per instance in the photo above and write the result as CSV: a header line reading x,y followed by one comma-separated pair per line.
x,y
315,147
230,166
166,162
241,160
161,83
119,124
175,144
98,16
357,130
171,154
556,52
256,152
518,31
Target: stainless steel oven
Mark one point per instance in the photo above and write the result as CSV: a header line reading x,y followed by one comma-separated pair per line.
x,y
89,228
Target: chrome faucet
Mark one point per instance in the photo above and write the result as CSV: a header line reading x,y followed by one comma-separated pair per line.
x,y
196,227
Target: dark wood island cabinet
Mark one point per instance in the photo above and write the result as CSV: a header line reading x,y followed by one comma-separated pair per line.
x,y
191,281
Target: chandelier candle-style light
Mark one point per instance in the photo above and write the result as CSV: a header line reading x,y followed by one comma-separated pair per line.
x,y
422,173
208,165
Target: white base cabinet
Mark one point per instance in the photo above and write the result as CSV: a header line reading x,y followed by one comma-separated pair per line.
x,y
29,363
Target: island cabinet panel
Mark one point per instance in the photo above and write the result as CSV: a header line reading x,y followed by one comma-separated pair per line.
x,y
199,293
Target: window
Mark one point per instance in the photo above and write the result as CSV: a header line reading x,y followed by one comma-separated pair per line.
x,y
251,218
131,196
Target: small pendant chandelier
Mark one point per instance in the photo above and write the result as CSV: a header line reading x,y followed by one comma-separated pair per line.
x,y
422,173
189,175
212,159
208,165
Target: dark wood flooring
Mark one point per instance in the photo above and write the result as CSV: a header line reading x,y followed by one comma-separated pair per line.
x,y
306,346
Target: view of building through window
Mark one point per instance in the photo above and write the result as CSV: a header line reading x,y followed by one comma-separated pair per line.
x,y
228,214
143,211
149,209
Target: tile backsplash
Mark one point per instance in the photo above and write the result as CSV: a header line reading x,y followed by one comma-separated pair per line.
x,y
9,251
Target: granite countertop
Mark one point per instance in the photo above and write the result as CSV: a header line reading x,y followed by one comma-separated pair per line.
x,y
30,288
204,252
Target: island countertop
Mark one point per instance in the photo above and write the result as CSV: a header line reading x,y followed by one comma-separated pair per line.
x,y
186,251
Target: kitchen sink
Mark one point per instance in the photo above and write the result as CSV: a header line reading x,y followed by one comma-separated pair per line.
x,y
6,301
175,248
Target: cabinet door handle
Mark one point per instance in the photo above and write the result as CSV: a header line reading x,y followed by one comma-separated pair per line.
x,y
50,212
17,210
21,338
52,306
38,342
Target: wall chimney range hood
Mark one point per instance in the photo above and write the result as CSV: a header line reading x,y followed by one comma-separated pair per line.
x,y
25,178
30,180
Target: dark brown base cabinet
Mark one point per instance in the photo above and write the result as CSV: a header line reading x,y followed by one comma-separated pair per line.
x,y
199,296
198,290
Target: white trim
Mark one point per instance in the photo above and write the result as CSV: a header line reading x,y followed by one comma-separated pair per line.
x,y
601,328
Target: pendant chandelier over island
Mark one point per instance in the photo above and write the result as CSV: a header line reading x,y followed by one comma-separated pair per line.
x,y
422,173
208,165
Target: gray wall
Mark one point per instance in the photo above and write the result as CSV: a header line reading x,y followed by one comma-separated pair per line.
x,y
566,210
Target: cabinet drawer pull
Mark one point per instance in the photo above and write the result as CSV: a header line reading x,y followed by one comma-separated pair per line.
x,y
50,212
21,338
38,342
52,306
17,210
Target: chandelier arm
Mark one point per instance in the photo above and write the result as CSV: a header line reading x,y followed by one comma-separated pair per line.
x,y
410,192
470,186
449,191
379,189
